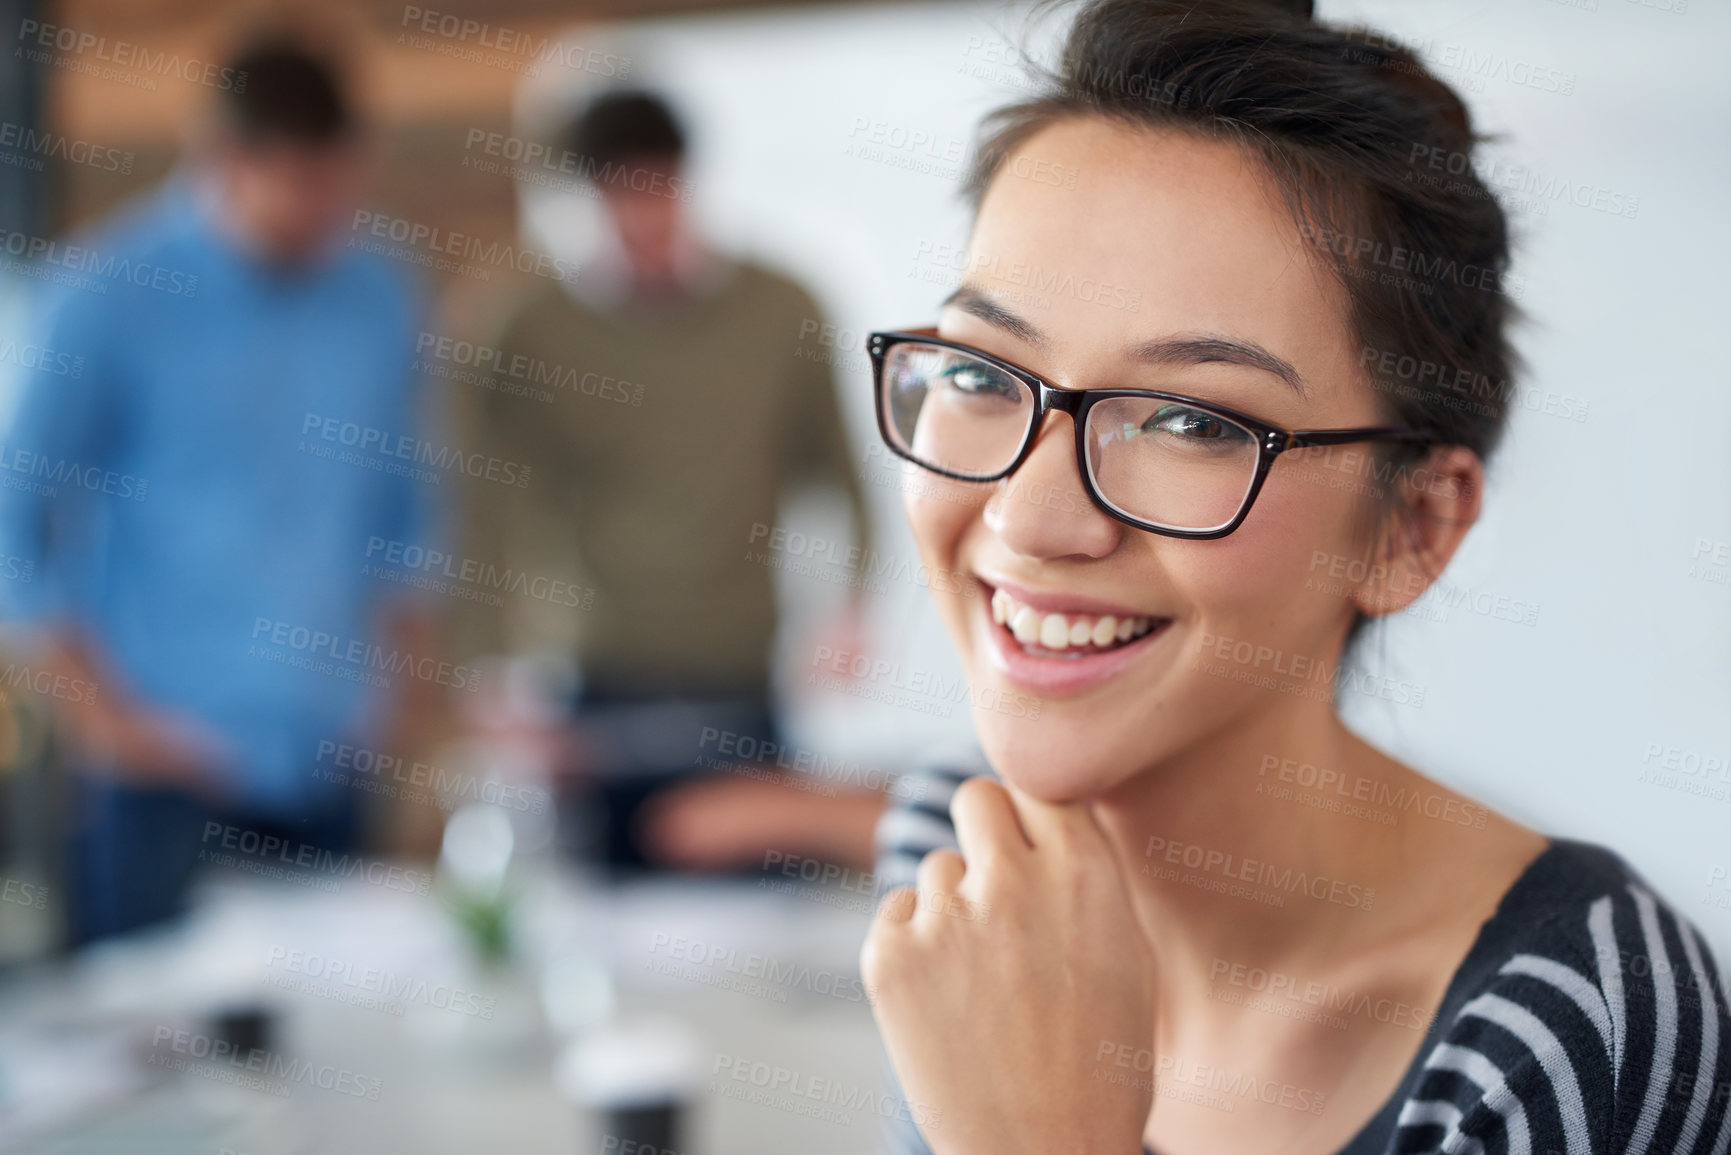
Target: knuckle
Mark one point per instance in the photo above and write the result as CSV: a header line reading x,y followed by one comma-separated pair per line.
x,y
883,958
976,789
937,868
871,964
942,859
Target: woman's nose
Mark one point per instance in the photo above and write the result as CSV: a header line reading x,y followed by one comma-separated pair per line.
x,y
1042,510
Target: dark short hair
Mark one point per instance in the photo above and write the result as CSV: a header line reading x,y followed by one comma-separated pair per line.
x,y
632,125
284,92
1348,124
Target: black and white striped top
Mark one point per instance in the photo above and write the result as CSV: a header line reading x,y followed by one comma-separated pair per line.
x,y
1588,1018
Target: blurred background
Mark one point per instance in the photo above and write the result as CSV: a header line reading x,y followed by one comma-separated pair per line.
x,y
488,824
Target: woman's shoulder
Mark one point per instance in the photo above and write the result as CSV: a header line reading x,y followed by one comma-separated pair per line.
x,y
1588,1017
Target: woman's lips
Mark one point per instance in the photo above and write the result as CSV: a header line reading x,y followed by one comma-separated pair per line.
x,y
1058,603
1043,648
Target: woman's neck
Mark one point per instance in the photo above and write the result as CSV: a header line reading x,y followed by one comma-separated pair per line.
x,y
1237,850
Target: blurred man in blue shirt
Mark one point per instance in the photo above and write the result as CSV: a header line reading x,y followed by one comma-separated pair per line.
x,y
184,475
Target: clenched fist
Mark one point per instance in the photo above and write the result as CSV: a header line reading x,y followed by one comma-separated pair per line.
x,y
996,982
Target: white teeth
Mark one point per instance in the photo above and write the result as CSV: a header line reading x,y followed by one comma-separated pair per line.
x,y
1059,631
1054,632
1105,630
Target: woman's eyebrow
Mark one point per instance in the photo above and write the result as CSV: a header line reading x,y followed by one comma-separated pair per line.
x,y
1203,349
978,303
1182,349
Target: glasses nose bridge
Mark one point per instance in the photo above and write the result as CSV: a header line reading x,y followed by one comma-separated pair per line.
x,y
1051,399
1054,399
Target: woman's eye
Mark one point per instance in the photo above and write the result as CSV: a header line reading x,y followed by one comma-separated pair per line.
x,y
1189,424
980,380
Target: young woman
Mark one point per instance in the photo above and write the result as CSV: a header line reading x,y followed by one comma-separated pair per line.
x,y
1217,388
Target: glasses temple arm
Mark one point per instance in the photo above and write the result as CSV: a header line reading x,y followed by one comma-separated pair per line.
x,y
1304,438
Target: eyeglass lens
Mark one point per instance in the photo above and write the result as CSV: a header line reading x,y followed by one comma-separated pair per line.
x,y
1154,460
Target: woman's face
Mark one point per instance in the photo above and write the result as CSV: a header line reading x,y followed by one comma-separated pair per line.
x,y
1095,241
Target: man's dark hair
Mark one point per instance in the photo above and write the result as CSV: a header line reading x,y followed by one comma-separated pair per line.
x,y
627,126
1351,127
285,93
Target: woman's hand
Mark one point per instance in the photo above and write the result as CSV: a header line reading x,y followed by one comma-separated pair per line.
x,y
1003,986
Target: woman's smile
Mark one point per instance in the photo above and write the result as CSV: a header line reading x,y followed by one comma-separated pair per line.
x,y
1060,644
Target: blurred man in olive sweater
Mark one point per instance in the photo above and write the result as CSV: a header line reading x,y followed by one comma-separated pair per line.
x,y
687,417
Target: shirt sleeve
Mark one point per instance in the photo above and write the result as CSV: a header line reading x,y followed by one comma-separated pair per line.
x,y
1614,1040
916,822
412,510
817,449
61,431
492,519
901,1136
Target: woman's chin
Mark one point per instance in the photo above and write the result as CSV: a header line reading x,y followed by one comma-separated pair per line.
x,y
1042,764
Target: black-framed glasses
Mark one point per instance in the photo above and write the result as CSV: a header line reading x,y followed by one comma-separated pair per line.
x,y
1162,462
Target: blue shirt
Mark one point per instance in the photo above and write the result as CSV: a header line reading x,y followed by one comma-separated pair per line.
x,y
204,450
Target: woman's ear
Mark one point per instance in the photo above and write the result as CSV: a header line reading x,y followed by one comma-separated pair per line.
x,y
1436,502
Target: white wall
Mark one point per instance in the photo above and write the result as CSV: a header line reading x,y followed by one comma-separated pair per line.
x,y
1594,521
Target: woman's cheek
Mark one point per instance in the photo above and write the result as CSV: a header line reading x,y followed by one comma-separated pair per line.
x,y
1229,578
936,516
1256,586
940,513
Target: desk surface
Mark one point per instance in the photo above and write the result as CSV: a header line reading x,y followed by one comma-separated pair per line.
x,y
387,1034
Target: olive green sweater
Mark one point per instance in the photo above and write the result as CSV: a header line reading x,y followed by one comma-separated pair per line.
x,y
658,440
